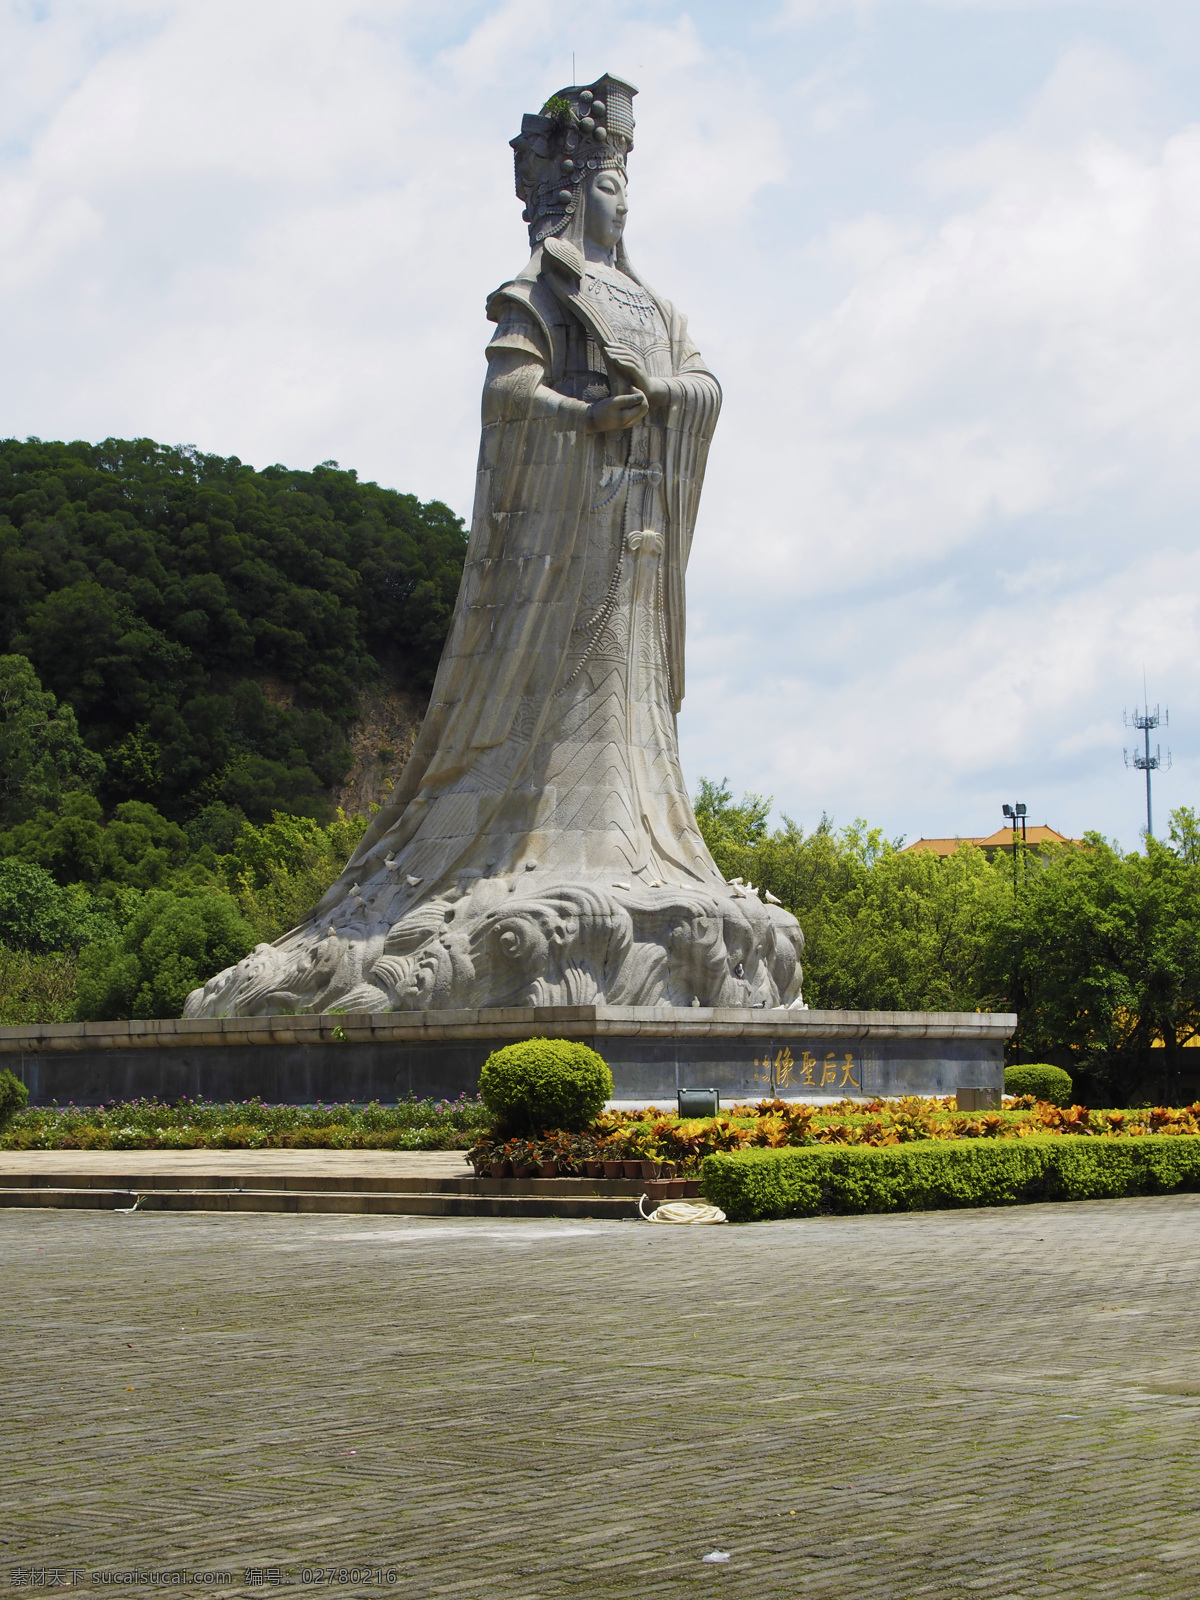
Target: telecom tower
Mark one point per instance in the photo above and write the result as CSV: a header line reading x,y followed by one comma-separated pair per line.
x,y
1143,721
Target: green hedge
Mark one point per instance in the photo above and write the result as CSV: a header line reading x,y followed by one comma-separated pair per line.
x,y
1042,1081
938,1174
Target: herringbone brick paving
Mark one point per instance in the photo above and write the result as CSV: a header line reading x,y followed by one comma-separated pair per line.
x,y
1000,1404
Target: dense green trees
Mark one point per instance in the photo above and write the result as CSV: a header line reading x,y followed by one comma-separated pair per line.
x,y
122,918
1095,949
171,944
42,756
1102,953
183,645
204,629
38,915
885,929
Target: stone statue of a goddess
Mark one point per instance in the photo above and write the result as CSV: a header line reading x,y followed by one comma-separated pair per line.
x,y
540,847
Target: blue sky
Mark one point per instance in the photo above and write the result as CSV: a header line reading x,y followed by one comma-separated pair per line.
x,y
944,258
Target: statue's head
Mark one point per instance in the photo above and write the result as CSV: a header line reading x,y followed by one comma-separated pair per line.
x,y
605,207
562,153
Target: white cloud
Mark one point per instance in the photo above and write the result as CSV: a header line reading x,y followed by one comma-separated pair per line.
x,y
946,706
1029,352
802,12
930,486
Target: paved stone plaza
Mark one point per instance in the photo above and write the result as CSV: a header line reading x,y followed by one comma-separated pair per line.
x,y
987,1403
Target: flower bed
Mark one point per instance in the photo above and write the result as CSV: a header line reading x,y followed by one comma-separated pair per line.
x,y
681,1145
247,1125
940,1174
647,1140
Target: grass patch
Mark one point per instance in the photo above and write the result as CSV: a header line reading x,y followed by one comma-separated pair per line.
x,y
248,1125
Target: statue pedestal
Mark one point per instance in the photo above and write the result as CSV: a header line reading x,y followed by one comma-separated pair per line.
x,y
653,1051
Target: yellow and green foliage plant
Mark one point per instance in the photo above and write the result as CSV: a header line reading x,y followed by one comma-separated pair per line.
x,y
780,1125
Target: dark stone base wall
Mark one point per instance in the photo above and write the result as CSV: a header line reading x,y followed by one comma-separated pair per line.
x,y
744,1055
793,1069
281,1074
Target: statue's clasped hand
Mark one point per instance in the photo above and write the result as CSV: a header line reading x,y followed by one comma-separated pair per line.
x,y
617,412
656,390
623,410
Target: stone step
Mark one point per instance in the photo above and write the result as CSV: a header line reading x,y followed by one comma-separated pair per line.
x,y
316,1183
355,1201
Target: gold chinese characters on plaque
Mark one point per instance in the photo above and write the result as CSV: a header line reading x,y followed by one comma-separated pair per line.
x,y
784,1072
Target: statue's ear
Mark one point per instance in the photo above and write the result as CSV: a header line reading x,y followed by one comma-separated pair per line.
x,y
564,258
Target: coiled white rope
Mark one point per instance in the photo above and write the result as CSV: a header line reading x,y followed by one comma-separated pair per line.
x,y
683,1211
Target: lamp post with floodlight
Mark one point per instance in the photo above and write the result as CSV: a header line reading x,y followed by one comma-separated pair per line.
x,y
1016,814
1016,817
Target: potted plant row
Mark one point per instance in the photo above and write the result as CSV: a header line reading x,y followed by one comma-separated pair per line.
x,y
558,1154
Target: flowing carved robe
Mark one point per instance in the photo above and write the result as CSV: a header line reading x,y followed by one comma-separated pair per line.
x,y
550,733
540,846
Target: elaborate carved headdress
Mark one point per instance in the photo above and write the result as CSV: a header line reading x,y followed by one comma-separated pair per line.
x,y
576,132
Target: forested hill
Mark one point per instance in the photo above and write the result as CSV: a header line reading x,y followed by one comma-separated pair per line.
x,y
214,627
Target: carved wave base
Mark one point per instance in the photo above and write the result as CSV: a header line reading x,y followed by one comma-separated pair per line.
x,y
517,941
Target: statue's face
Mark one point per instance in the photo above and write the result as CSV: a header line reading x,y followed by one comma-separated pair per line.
x,y
606,210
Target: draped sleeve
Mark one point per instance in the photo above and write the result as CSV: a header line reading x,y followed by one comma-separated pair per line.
x,y
695,404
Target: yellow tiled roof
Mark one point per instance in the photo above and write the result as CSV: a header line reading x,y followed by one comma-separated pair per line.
x,y
1002,839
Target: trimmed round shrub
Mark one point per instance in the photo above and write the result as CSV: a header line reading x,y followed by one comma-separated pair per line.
x,y
545,1083
1042,1081
14,1097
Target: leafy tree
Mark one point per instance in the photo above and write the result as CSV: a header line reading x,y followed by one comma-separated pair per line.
x,y
42,927
1101,952
884,929
911,930
37,988
140,847
93,875
726,824
68,842
279,872
214,831
1184,833
36,915
14,1097
41,753
164,910
171,944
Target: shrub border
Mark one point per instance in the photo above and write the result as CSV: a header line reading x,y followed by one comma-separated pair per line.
x,y
940,1174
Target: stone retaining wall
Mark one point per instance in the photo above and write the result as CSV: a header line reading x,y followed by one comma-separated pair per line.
x,y
387,1056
